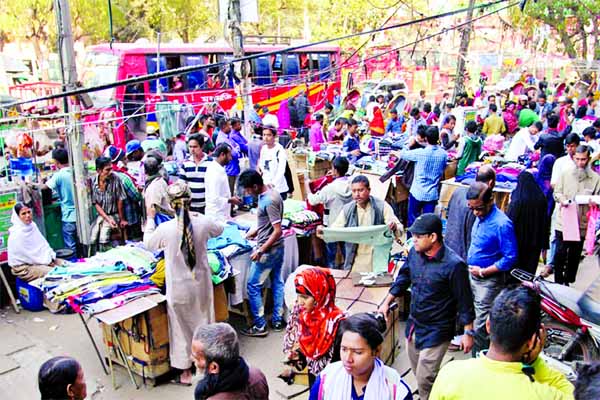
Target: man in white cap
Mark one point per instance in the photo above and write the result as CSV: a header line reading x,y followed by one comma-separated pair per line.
x,y
153,142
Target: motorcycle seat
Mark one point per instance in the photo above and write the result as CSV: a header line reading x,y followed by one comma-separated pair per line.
x,y
565,295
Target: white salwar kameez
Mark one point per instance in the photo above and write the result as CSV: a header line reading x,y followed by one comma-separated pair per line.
x,y
189,292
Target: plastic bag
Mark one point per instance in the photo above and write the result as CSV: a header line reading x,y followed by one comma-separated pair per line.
x,y
590,235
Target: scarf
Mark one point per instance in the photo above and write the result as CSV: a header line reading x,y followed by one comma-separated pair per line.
x,y
384,383
26,245
232,378
318,326
180,197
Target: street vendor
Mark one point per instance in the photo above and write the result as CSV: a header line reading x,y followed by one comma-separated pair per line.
x,y
364,210
29,254
108,195
188,276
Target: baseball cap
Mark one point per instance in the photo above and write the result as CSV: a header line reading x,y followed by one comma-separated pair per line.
x,y
132,145
114,153
426,223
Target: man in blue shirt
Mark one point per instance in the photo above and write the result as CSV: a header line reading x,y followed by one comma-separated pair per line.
x,y
61,183
239,146
351,143
394,124
430,164
492,253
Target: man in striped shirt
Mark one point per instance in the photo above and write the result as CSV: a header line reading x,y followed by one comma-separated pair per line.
x,y
193,172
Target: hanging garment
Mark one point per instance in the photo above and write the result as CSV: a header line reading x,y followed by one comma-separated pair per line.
x,y
378,236
167,119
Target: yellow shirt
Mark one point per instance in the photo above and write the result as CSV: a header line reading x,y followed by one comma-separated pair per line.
x,y
484,378
493,125
363,262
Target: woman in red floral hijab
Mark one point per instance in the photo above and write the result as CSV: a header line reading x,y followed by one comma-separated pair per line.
x,y
313,325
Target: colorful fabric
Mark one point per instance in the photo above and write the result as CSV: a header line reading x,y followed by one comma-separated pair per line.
x,y
221,269
318,326
376,126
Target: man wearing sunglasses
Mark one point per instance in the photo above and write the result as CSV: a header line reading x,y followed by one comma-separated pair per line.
x,y
492,253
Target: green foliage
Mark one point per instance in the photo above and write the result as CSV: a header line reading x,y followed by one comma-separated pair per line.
x,y
575,23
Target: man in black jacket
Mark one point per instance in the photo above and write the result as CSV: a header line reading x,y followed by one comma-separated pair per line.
x,y
440,294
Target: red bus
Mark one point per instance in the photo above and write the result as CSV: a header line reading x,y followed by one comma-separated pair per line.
x,y
274,78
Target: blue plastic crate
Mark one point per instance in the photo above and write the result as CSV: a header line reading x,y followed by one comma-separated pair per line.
x,y
31,298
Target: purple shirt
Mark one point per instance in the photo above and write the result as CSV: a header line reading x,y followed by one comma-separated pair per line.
x,y
316,136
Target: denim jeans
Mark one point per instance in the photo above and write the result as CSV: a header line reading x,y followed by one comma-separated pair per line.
x,y
484,291
331,253
417,207
69,233
269,265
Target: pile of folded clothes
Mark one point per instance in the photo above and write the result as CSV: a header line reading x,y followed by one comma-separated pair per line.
x,y
77,287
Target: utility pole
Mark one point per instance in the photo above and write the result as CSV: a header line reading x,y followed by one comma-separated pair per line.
x,y
74,133
459,80
241,69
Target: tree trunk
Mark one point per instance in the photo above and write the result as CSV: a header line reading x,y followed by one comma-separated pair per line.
x,y
595,42
39,56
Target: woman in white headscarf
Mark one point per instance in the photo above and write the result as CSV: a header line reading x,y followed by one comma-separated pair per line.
x,y
29,254
187,273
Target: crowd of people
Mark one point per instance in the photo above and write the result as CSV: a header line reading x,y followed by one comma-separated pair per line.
x,y
458,274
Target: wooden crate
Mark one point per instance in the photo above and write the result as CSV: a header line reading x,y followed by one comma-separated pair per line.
x,y
319,169
357,299
144,339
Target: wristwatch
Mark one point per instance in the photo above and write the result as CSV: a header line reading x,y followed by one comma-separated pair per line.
x,y
470,332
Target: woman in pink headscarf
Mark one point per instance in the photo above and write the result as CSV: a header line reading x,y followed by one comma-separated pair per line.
x,y
510,118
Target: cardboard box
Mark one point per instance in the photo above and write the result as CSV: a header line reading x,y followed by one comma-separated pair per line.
x,y
142,329
356,299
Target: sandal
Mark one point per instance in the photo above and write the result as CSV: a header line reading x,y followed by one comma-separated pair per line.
x,y
177,381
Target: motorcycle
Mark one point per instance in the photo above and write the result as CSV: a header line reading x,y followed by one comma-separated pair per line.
x,y
573,335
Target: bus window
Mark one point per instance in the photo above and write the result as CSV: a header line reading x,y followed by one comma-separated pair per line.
x,y
215,76
304,65
262,70
228,58
151,67
195,80
324,65
276,67
291,67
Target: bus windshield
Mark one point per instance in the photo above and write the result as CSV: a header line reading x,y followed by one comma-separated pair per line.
x,y
100,69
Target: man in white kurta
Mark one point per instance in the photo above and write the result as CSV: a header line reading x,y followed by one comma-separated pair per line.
x,y
189,291
218,194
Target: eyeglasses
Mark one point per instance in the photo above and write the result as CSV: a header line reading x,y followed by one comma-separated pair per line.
x,y
478,209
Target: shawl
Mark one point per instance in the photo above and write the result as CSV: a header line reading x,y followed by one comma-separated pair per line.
x,y
180,197
384,383
26,245
318,327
